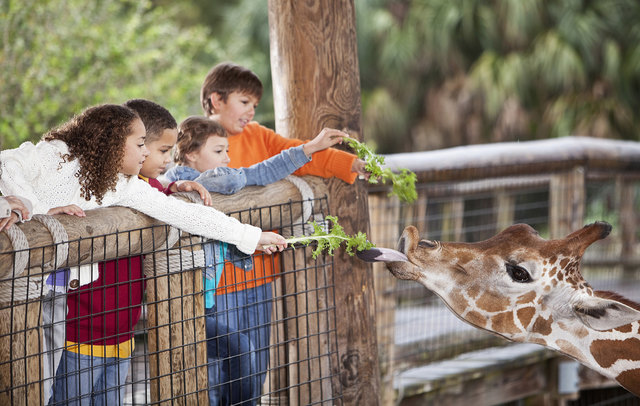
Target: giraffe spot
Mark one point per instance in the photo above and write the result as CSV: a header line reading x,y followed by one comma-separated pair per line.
x,y
526,298
473,292
630,379
579,331
553,272
567,348
607,352
492,303
627,328
525,315
564,262
553,259
504,323
560,276
539,341
476,319
458,301
542,325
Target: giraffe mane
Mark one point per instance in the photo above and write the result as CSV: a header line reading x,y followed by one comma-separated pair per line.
x,y
605,294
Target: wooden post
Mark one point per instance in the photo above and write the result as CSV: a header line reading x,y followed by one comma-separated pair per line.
x,y
20,358
385,231
566,202
505,208
314,63
627,220
177,339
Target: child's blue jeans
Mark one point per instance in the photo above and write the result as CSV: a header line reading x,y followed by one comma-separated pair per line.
x,y
231,364
92,381
249,311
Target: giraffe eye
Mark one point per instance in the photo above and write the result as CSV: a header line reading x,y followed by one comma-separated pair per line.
x,y
518,273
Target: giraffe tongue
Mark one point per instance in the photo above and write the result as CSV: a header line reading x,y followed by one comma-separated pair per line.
x,y
381,255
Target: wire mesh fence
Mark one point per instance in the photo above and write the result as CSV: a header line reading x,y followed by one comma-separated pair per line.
x,y
156,316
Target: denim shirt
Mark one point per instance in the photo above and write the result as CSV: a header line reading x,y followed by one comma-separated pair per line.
x,y
230,180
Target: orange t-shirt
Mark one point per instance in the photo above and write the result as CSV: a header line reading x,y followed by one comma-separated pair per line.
x,y
255,144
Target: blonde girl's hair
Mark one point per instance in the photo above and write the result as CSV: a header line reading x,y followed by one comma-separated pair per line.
x,y
193,133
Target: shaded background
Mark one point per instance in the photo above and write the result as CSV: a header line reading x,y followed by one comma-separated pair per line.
x,y
434,73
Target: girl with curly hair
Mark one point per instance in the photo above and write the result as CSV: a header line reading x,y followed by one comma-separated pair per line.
x,y
93,161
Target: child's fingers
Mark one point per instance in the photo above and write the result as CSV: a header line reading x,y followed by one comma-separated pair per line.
x,y
6,222
73,210
206,197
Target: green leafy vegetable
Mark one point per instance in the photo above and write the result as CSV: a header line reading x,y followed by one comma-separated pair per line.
x,y
333,239
404,183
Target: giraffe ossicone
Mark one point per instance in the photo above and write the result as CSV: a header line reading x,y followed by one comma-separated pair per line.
x,y
529,289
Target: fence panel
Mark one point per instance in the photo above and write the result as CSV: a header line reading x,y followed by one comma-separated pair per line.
x,y
171,344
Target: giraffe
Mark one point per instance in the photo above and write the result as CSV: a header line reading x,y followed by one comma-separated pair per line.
x,y
528,289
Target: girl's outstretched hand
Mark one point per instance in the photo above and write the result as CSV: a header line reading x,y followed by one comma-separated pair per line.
x,y
328,137
188,186
271,242
71,210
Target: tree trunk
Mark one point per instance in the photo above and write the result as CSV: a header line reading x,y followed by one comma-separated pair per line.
x,y
314,63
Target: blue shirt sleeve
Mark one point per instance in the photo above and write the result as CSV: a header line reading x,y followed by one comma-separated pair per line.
x,y
277,167
223,180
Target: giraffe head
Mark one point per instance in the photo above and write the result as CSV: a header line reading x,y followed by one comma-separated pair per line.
x,y
515,284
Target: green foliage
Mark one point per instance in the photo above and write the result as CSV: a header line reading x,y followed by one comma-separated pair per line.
x,y
404,183
329,241
511,69
60,56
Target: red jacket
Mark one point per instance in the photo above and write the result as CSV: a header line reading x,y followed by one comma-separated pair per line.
x,y
105,311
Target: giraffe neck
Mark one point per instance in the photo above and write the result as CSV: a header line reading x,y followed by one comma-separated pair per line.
x,y
614,353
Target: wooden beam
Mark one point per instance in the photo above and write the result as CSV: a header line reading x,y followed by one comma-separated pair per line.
x,y
105,233
314,64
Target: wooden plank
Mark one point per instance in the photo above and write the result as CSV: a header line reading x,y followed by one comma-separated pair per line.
x,y
491,376
20,360
519,158
627,223
384,217
567,198
177,339
505,208
316,84
103,233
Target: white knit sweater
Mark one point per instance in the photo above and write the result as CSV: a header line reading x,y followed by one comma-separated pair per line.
x,y
39,173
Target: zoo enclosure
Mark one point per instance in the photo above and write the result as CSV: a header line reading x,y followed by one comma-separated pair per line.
x,y
169,362
469,194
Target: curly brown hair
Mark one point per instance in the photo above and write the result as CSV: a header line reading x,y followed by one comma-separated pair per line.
x,y
193,133
96,138
226,78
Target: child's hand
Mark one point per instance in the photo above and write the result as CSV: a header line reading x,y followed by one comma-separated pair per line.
x,y
188,186
271,242
8,221
71,210
328,137
359,166
17,204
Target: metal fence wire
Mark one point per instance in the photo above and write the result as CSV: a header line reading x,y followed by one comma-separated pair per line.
x,y
171,318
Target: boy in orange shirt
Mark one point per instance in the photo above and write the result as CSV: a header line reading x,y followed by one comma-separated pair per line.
x,y
229,95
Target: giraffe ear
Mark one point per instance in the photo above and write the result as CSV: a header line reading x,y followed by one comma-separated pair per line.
x,y
605,314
